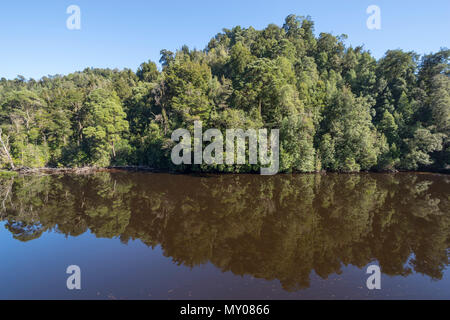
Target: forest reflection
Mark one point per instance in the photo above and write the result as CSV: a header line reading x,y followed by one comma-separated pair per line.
x,y
271,227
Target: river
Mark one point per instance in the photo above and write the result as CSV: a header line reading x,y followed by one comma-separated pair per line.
x,y
167,236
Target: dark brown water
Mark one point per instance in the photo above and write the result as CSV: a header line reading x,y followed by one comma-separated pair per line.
x,y
162,236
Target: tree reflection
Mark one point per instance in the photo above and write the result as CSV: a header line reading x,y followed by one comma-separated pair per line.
x,y
280,227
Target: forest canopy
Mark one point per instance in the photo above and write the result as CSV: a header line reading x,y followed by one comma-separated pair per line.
x,y
336,106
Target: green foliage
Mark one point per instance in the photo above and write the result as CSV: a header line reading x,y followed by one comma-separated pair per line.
x,y
350,133
337,107
105,124
147,72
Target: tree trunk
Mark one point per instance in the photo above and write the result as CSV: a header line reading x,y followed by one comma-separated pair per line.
x,y
113,149
5,149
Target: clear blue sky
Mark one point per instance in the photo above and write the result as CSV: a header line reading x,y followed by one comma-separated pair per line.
x,y
122,34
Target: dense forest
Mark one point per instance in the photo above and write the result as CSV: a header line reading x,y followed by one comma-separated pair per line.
x,y
336,106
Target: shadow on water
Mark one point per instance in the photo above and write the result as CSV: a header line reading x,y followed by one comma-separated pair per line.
x,y
280,227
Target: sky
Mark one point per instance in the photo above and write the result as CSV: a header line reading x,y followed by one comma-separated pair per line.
x,y
36,42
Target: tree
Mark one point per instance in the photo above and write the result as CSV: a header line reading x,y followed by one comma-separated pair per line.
x,y
348,130
147,71
5,149
336,106
105,125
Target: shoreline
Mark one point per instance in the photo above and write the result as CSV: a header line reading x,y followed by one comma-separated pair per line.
x,y
112,169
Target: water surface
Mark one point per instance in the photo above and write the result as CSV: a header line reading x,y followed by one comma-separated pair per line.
x,y
163,236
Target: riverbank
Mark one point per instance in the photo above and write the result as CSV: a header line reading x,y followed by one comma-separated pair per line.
x,y
81,170
90,170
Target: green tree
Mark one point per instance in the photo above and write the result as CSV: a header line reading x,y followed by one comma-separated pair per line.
x,y
105,127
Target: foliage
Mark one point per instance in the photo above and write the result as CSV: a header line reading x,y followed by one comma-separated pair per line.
x,y
337,107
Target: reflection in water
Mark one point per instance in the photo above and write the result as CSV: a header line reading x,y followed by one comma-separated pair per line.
x,y
281,227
